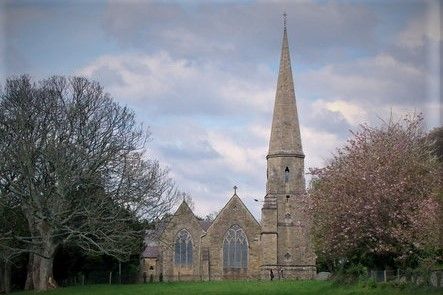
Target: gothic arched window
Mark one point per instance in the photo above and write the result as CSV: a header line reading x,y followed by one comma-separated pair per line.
x,y
183,248
235,248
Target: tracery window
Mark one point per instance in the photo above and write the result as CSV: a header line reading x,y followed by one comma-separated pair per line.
x,y
235,248
183,248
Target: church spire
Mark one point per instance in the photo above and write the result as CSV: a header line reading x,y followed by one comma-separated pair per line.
x,y
284,236
285,132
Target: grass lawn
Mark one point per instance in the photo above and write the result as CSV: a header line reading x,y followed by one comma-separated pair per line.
x,y
236,287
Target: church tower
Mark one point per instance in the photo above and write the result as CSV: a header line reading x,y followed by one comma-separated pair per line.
x,y
286,245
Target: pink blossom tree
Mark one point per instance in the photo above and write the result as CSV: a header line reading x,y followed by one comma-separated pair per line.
x,y
377,199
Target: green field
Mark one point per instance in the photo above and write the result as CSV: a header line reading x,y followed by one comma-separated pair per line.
x,y
237,287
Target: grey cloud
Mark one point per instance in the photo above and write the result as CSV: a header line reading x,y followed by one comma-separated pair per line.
x,y
242,31
190,149
218,74
354,65
13,61
177,87
322,119
186,146
43,38
371,81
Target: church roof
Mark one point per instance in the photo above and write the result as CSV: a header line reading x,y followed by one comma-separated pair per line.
x,y
150,252
151,243
285,131
152,236
205,224
235,198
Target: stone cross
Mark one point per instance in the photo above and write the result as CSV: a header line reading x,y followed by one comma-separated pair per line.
x,y
235,189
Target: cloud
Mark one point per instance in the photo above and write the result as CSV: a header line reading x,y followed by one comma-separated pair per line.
x,y
206,120
422,29
242,31
208,162
238,158
203,77
318,146
351,112
211,124
14,18
373,80
180,86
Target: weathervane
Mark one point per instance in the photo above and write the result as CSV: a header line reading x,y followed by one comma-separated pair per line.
x,y
285,17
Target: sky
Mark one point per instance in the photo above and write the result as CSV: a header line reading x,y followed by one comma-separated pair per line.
x,y
202,75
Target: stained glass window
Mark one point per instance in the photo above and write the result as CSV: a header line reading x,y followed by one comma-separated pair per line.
x,y
183,248
235,248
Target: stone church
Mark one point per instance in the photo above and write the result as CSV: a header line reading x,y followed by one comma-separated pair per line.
x,y
235,245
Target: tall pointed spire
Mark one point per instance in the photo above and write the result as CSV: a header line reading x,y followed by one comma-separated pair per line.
x,y
285,224
285,132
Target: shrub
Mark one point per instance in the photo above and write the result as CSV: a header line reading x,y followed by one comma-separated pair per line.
x,y
350,274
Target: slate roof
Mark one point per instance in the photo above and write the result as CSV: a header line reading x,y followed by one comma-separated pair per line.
x,y
205,224
152,249
150,252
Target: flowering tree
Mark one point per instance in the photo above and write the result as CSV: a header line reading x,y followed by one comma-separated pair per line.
x,y
377,199
436,135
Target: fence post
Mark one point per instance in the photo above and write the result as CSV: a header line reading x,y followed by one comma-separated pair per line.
x,y
119,272
83,279
384,275
110,277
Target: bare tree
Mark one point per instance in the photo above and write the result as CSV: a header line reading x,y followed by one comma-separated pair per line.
x,y
75,163
188,199
11,219
211,216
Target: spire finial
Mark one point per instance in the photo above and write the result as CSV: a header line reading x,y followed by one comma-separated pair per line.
x,y
235,189
285,17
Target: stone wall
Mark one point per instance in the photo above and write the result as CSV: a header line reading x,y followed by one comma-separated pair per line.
x,y
263,253
182,219
151,268
233,213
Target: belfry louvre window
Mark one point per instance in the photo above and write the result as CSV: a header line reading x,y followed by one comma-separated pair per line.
x,y
183,248
235,248
286,174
